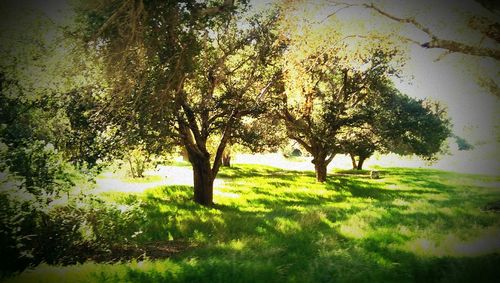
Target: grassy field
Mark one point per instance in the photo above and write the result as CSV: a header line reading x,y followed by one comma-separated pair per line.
x,y
271,225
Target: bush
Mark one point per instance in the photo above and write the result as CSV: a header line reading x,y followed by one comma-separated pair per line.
x,y
82,228
15,234
40,167
138,160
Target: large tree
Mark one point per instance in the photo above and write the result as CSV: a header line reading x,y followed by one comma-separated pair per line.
x,y
327,81
186,70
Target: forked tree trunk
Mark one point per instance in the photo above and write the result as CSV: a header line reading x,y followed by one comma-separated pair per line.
x,y
203,179
321,161
320,169
353,160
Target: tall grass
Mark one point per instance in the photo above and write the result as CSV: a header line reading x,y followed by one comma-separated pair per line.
x,y
271,225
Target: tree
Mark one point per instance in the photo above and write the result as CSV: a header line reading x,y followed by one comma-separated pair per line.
x,y
325,92
400,124
405,128
327,81
358,142
40,87
462,143
185,70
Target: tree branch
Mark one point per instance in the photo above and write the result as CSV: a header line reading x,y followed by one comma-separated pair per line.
x,y
330,158
491,30
187,137
454,46
411,21
193,126
486,27
112,18
301,142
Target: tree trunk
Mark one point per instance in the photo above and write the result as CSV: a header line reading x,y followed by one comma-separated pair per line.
x,y
360,162
226,160
321,161
353,160
320,169
203,180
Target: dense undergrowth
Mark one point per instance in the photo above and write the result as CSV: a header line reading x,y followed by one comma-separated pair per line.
x,y
273,225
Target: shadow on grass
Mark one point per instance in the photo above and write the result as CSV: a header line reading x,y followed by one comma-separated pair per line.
x,y
360,187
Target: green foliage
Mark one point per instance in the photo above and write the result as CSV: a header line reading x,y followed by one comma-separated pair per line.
x,y
404,125
42,168
37,141
87,140
65,231
27,138
41,218
265,133
394,122
138,160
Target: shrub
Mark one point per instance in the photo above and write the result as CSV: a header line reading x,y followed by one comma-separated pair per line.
x,y
81,228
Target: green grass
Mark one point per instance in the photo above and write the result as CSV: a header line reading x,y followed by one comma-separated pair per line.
x,y
271,225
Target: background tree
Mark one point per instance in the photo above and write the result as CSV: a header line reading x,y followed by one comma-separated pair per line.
x,y
406,128
326,83
400,124
359,143
462,143
257,135
338,94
